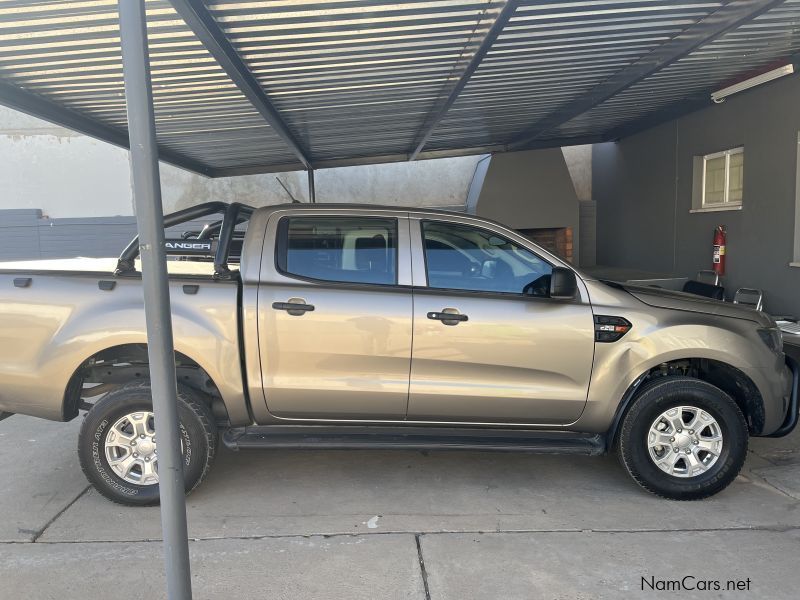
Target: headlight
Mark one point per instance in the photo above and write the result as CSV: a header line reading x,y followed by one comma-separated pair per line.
x,y
773,338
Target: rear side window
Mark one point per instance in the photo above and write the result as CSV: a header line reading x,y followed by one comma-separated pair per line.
x,y
339,249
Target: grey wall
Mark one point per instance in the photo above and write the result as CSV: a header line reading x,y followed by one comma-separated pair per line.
x,y
643,189
527,190
26,234
588,234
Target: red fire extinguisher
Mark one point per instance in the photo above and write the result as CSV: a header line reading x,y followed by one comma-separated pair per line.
x,y
719,250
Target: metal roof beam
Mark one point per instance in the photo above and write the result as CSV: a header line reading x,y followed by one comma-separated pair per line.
x,y
392,158
439,112
208,31
37,106
726,18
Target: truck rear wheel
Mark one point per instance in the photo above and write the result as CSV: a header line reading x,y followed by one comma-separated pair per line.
x,y
683,438
117,443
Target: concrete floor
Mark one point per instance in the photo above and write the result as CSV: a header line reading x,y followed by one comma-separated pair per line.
x,y
384,525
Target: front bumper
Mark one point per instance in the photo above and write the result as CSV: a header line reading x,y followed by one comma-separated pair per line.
x,y
792,416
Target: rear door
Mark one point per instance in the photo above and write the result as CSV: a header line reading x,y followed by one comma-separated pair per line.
x,y
334,316
490,346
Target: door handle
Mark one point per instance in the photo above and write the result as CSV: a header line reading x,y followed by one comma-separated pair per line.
x,y
448,316
295,306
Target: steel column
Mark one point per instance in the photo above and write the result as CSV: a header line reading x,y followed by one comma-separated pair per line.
x,y
312,190
150,225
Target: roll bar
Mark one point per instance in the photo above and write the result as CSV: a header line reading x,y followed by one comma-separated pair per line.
x,y
232,215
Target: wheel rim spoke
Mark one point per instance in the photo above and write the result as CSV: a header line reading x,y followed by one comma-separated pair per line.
x,y
659,439
149,473
712,446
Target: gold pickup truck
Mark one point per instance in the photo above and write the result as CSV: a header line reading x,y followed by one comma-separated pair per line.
x,y
346,326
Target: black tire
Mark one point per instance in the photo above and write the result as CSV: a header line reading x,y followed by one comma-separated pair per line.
x,y
197,428
659,396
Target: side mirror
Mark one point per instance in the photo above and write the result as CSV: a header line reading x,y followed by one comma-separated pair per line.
x,y
563,284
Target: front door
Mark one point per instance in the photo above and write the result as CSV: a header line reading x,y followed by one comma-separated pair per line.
x,y
490,346
334,325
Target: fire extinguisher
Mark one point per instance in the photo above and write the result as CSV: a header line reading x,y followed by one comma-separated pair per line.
x,y
719,250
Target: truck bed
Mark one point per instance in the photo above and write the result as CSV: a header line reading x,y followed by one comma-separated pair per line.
x,y
101,266
57,314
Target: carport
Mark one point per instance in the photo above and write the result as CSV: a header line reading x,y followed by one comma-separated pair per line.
x,y
235,88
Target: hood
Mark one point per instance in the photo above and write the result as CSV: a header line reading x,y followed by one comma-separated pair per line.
x,y
669,299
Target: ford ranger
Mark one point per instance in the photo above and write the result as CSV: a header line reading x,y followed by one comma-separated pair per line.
x,y
347,326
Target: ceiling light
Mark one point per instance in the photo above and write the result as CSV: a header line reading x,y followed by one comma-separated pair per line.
x,y
720,95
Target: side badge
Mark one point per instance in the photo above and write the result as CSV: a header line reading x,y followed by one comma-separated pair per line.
x,y
610,329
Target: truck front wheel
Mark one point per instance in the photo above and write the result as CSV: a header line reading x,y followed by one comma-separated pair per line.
x,y
683,438
117,443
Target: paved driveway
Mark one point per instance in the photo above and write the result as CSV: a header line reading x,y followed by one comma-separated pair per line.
x,y
375,525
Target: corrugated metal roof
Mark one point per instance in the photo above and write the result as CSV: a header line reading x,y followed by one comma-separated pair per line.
x,y
69,52
357,81
750,48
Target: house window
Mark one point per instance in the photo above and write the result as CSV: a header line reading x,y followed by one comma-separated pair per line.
x,y
722,180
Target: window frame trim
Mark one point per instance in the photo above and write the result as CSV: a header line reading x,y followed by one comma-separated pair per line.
x,y
282,248
484,293
725,204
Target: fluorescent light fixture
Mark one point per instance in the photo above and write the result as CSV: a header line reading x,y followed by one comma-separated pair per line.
x,y
752,82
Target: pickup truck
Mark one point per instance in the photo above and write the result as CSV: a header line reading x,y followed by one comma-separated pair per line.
x,y
352,326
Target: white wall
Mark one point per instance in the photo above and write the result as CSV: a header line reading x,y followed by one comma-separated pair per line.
x,y
70,175
64,174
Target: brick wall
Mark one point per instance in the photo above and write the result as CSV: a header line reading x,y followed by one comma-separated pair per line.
x,y
557,240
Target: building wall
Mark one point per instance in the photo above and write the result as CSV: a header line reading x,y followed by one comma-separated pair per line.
x,y
529,190
68,175
634,188
643,189
579,163
587,242
65,194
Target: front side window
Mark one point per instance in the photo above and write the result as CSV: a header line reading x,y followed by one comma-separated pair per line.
x,y
723,178
460,257
339,249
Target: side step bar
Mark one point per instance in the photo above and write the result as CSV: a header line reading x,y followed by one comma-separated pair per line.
x,y
348,437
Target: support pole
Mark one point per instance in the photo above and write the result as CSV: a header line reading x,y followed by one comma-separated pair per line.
x,y
312,190
150,225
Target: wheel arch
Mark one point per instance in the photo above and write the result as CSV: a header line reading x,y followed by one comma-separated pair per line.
x,y
117,365
726,377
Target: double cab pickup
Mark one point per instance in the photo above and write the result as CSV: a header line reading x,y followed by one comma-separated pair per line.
x,y
353,326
